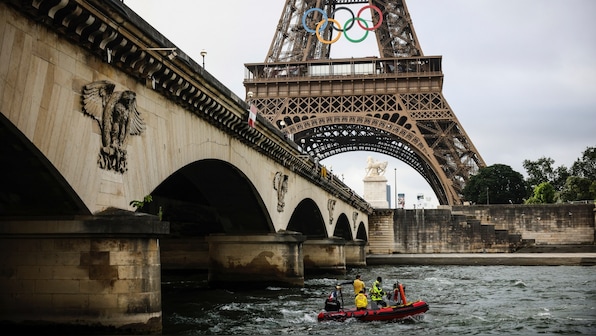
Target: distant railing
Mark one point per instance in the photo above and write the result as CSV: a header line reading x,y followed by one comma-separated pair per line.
x,y
391,67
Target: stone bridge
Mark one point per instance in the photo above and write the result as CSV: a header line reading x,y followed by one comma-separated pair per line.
x,y
122,156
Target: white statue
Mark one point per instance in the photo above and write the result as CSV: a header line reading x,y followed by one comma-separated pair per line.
x,y
374,167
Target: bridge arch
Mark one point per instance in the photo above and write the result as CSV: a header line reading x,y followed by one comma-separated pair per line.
x,y
210,196
34,187
308,219
361,232
342,228
327,138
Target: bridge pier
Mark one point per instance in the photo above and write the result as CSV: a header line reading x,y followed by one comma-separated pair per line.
x,y
184,254
100,274
325,256
256,260
355,251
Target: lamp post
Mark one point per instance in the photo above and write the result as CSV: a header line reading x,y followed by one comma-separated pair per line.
x,y
203,54
395,186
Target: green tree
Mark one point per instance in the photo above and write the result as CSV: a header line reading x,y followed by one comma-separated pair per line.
x,y
543,193
578,189
496,184
542,170
586,165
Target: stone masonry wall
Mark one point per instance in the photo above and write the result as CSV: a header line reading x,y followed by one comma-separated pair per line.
x,y
546,224
99,282
381,235
492,228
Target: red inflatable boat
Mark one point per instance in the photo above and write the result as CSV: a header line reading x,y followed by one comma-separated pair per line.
x,y
382,314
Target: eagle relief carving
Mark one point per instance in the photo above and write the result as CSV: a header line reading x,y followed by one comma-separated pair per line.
x,y
117,116
280,184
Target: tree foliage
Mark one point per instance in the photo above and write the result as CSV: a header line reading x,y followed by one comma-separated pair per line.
x,y
578,189
496,184
586,165
542,170
577,183
543,193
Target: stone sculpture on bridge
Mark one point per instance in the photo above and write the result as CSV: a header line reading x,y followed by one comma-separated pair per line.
x,y
375,168
117,116
280,184
331,208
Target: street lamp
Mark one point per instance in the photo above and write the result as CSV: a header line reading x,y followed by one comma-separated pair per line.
x,y
203,54
395,186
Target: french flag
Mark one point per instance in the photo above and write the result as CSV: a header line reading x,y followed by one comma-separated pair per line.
x,y
252,116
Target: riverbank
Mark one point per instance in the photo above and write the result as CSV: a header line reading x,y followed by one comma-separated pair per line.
x,y
485,259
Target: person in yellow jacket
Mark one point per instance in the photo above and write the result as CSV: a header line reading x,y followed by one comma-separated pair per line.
x,y
377,293
361,300
358,285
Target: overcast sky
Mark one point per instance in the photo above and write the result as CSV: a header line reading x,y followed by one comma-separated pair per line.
x,y
519,75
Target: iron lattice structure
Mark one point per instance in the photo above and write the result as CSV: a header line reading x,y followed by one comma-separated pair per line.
x,y
392,104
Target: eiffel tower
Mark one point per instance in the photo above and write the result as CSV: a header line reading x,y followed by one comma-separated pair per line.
x,y
391,104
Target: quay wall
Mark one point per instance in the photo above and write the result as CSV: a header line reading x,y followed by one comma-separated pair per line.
x,y
480,228
546,224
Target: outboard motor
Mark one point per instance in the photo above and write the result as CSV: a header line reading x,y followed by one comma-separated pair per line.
x,y
332,302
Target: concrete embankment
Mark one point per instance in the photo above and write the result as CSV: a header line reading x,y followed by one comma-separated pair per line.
x,y
485,259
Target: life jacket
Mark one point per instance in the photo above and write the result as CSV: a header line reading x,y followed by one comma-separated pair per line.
x,y
361,301
376,293
399,294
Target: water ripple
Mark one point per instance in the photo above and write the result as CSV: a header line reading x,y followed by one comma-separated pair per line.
x,y
464,300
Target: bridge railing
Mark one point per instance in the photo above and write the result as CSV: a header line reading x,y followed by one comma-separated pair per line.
x,y
127,43
309,166
359,67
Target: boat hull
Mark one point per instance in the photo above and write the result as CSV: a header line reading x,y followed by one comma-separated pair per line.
x,y
381,314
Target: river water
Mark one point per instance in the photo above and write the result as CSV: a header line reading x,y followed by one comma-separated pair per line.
x,y
463,300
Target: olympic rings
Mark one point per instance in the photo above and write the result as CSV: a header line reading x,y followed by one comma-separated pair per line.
x,y
380,17
346,27
319,34
365,30
325,18
321,25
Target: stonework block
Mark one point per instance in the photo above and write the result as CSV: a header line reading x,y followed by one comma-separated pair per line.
x,y
17,286
30,302
128,258
58,258
103,301
50,286
35,272
103,272
68,272
94,258
71,245
75,302
134,272
128,286
98,287
139,302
